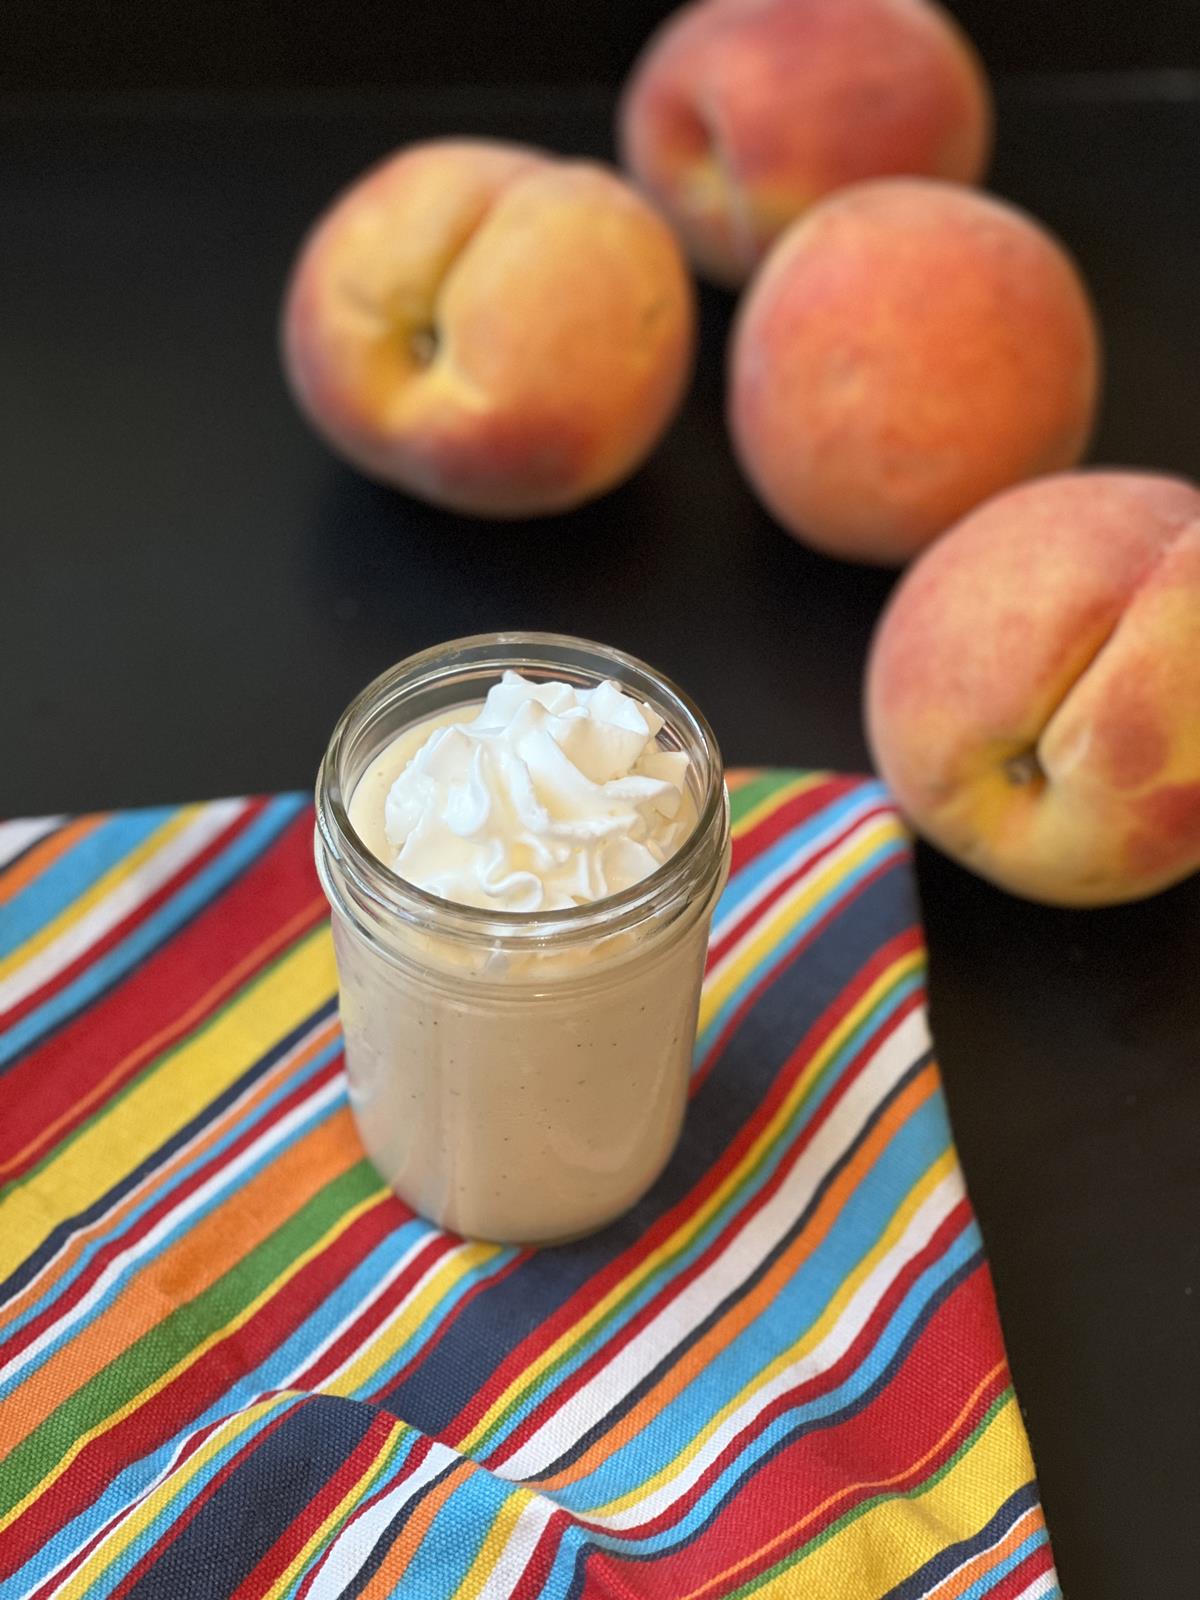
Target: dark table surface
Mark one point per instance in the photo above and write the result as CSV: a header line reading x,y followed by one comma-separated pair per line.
x,y
192,589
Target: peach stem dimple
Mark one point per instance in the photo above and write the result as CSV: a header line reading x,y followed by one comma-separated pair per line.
x,y
423,345
1024,769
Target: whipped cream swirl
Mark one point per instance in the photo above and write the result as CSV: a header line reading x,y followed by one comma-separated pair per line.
x,y
550,797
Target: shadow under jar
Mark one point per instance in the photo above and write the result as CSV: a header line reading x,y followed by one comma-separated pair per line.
x,y
518,1076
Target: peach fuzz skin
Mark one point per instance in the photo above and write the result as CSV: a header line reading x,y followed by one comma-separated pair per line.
x,y
909,349
740,114
490,329
1033,690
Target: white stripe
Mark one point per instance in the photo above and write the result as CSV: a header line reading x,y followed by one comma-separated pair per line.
x,y
1040,1587
779,911
281,1069
19,834
351,1550
922,1226
223,1178
743,1252
124,898
870,801
518,1551
1025,1516
374,1333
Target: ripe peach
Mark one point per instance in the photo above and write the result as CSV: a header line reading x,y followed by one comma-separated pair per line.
x,y
740,114
908,349
490,328
1033,691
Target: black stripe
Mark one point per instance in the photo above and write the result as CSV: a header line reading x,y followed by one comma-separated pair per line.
x,y
53,1241
286,1471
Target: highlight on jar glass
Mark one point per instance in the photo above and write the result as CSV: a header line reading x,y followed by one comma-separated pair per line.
x,y
522,838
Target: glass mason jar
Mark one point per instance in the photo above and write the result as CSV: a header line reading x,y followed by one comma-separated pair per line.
x,y
517,1076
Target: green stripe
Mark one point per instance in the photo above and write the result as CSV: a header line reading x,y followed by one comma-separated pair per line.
x,y
860,1510
752,794
163,1346
156,1063
663,1271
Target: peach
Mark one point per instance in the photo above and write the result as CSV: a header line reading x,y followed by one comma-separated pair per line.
x,y
909,349
1033,691
489,328
740,114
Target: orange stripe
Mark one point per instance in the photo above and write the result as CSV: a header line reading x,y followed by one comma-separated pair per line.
x,y
987,1559
166,1035
741,776
44,854
396,1562
112,1222
867,1486
196,1260
706,1349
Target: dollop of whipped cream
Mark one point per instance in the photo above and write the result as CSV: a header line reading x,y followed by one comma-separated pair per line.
x,y
550,797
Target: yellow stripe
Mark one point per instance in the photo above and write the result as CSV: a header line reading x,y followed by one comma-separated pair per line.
x,y
829,1318
493,1545
190,1077
357,1492
787,912
696,1221
894,1539
100,890
192,1356
110,1552
411,1316
777,798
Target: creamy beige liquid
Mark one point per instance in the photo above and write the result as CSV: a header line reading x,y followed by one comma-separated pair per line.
x,y
517,1102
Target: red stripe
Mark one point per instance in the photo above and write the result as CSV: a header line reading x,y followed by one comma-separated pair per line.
x,y
573,1310
915,1416
45,1085
1013,1584
159,1418
537,1569
75,1291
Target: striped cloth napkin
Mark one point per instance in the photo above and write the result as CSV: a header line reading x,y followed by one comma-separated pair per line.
x,y
231,1363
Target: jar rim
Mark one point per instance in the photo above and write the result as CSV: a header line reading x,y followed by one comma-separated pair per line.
x,y
386,892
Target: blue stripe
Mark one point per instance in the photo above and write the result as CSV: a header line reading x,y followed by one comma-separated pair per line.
x,y
144,939
73,874
992,1580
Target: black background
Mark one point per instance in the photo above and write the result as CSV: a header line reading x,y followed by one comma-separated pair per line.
x,y
122,44
192,587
